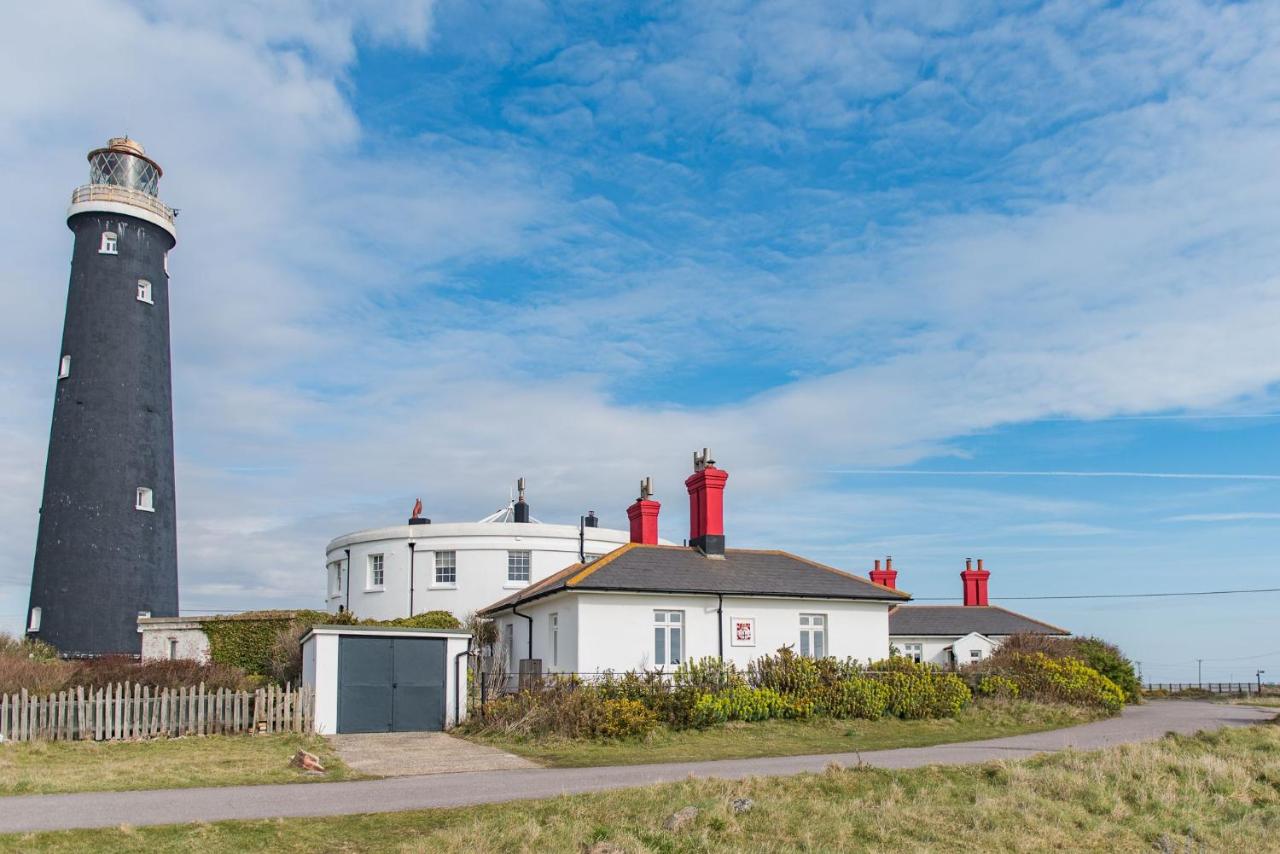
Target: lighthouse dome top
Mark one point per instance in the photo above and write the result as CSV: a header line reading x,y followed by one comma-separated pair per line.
x,y
123,179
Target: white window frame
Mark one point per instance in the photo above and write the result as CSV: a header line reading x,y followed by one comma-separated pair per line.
x,y
444,569
144,292
33,620
166,264
975,655
813,636
514,557
375,577
144,499
666,625
64,366
913,651
173,649
554,624
110,244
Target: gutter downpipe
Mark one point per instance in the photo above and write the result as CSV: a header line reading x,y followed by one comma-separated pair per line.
x,y
348,551
412,553
458,686
720,623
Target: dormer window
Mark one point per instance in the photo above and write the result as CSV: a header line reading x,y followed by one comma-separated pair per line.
x,y
145,500
64,367
108,245
144,291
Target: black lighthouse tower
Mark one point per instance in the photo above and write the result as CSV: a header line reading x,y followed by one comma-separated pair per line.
x,y
107,546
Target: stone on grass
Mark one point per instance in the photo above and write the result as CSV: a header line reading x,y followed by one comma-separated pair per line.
x,y
307,762
741,805
680,818
604,846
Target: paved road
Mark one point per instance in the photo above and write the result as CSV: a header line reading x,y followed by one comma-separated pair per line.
x,y
169,806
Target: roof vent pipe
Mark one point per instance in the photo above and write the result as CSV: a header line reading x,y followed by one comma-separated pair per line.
x,y
521,510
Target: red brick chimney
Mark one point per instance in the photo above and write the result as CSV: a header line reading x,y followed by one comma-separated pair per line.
x,y
888,577
706,505
975,583
644,516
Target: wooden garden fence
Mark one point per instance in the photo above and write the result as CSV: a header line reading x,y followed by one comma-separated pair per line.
x,y
125,711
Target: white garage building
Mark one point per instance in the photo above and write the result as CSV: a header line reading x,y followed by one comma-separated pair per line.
x,y
460,567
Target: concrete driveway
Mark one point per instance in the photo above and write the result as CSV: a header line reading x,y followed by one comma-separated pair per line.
x,y
401,754
173,806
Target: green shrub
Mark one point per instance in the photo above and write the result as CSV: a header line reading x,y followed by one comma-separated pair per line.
x,y
998,686
1108,660
785,673
623,719
567,708
425,620
1065,680
917,691
26,647
707,675
856,697
742,703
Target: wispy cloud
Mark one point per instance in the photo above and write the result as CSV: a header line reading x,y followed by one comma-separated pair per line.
x,y
1158,475
1226,517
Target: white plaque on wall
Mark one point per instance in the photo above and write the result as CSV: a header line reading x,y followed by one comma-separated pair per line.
x,y
742,631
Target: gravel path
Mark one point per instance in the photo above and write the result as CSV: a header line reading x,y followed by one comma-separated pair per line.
x,y
170,806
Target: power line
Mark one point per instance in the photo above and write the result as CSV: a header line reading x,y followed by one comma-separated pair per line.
x,y
1111,595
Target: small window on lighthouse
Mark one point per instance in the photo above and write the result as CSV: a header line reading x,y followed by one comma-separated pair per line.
x,y
64,367
33,624
145,500
108,246
144,291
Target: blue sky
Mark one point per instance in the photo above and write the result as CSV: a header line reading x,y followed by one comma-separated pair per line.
x,y
426,248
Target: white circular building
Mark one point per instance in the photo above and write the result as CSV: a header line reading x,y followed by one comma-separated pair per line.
x,y
460,567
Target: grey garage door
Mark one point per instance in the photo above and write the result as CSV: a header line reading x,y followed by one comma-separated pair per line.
x,y
390,684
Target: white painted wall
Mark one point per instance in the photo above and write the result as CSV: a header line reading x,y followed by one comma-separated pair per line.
x,y
481,555
615,631
158,633
320,672
935,649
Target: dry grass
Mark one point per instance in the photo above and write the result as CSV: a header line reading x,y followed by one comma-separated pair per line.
x,y
984,719
1217,792
216,760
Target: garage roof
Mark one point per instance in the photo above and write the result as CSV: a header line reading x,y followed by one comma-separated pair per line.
x,y
677,569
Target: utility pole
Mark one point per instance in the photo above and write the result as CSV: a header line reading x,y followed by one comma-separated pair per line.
x,y
1138,664
1200,672
1259,675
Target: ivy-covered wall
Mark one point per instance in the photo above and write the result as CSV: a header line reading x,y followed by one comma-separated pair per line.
x,y
245,640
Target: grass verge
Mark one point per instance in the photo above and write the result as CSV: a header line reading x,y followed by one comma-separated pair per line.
x,y
1211,792
31,768
985,719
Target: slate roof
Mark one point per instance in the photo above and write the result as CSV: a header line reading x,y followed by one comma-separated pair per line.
x,y
679,569
959,620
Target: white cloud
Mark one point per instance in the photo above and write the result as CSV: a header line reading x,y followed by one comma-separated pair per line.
x,y
342,345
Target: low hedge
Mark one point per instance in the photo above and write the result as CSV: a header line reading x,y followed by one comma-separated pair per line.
x,y
708,691
1064,680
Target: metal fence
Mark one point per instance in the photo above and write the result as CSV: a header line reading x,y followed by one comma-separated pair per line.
x,y
1247,688
126,711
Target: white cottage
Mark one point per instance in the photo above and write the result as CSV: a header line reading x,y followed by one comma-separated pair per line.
x,y
951,635
648,605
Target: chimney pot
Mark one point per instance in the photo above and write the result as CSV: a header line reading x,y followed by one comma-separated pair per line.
x,y
706,505
644,516
886,577
975,584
